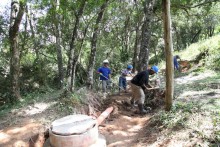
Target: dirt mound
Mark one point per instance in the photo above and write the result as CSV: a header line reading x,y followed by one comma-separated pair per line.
x,y
155,98
123,126
184,65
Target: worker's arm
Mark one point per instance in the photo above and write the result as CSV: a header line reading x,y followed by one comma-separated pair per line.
x,y
99,73
149,87
132,75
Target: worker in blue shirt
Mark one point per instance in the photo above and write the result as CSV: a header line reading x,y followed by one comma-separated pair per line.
x,y
105,75
176,64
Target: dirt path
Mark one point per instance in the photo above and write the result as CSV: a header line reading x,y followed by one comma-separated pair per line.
x,y
21,127
124,127
22,135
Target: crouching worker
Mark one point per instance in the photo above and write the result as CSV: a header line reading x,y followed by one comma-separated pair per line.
x,y
140,83
122,78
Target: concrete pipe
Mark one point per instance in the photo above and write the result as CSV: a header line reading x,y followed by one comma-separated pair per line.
x,y
74,131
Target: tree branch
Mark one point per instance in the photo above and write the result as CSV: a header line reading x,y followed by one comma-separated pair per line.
x,y
185,7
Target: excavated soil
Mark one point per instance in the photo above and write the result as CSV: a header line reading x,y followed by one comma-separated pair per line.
x,y
125,126
27,126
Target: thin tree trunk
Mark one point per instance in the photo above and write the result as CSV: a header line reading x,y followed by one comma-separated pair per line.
x,y
196,35
136,49
76,58
33,36
70,71
146,35
169,54
126,34
211,30
94,43
58,44
17,11
24,37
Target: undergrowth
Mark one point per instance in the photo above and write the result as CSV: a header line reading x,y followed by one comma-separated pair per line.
x,y
208,50
30,98
69,100
190,116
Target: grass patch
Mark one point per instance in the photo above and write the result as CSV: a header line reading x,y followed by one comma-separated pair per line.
x,y
210,48
28,99
177,116
196,109
69,101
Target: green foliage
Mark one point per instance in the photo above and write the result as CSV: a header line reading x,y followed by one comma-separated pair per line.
x,y
206,52
68,101
44,94
116,38
177,116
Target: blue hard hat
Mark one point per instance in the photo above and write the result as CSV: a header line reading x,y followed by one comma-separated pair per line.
x,y
155,68
129,67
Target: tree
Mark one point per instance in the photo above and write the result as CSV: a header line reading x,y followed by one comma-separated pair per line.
x,y
137,44
71,69
17,11
58,42
92,57
146,35
169,54
136,48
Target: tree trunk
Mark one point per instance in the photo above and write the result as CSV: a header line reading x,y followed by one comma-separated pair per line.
x,y
146,35
196,36
169,54
77,56
94,43
136,49
125,36
17,11
211,30
33,33
58,44
24,37
70,70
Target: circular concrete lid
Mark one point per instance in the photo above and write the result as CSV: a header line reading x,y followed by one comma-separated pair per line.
x,y
73,125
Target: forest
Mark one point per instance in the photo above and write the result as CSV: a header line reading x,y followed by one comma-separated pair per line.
x,y
50,51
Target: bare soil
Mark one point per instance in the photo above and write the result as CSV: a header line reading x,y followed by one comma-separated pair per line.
x,y
125,126
26,126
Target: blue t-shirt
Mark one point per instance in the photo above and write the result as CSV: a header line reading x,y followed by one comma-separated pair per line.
x,y
105,71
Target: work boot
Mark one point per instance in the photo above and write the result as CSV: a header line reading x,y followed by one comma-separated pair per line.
x,y
132,103
141,109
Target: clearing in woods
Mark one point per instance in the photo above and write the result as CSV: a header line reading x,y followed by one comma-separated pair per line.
x,y
194,120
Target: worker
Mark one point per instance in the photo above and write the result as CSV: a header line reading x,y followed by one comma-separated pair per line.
x,y
139,84
122,79
105,75
176,64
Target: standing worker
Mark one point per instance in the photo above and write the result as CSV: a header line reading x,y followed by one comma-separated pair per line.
x,y
176,64
140,83
122,78
105,75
